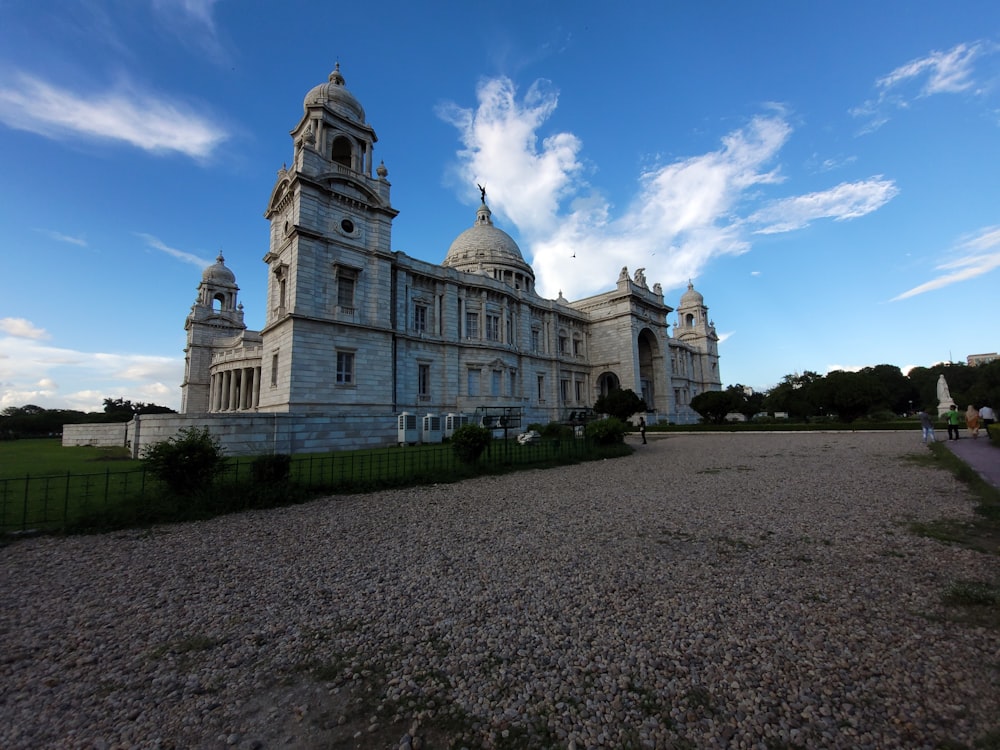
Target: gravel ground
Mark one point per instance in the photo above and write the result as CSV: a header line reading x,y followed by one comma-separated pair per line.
x,y
708,591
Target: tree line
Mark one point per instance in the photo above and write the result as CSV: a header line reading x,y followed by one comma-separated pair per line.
x,y
31,421
880,392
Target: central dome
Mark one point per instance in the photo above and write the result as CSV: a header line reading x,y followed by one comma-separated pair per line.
x,y
335,96
483,248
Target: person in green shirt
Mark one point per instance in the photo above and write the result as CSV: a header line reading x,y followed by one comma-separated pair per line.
x,y
952,417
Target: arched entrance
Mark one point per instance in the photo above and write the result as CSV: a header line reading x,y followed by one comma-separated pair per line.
x,y
607,382
649,352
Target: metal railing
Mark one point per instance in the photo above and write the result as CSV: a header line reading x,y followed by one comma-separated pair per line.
x,y
53,502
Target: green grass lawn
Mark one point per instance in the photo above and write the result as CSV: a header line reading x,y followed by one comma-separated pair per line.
x,y
45,457
44,486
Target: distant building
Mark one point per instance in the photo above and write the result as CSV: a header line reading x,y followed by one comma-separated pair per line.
x,y
356,334
981,359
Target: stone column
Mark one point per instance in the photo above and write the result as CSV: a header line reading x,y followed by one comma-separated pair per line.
x,y
255,399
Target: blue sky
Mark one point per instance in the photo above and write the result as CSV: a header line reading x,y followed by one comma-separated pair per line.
x,y
825,173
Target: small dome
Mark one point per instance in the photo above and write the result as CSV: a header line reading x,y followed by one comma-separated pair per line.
x,y
218,274
484,246
691,298
335,96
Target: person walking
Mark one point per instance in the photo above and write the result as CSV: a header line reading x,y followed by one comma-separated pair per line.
x,y
972,421
927,424
987,417
642,429
952,417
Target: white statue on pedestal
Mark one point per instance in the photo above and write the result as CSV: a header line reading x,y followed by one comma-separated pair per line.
x,y
944,396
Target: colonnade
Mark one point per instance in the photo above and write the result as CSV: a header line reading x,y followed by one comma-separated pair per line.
x,y
235,390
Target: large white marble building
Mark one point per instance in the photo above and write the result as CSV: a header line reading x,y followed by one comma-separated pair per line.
x,y
356,333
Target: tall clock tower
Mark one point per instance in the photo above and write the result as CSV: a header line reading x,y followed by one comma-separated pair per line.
x,y
328,331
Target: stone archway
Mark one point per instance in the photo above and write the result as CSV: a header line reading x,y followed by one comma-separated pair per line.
x,y
607,382
648,350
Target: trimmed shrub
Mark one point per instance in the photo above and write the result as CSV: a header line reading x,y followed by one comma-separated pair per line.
x,y
469,441
606,431
187,463
271,469
557,431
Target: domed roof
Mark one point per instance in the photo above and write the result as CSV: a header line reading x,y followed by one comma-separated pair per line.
x,y
691,298
334,95
218,274
484,245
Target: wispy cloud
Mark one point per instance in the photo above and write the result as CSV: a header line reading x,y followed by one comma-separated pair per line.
x,y
145,120
192,23
22,328
977,254
157,244
848,200
950,72
682,215
60,237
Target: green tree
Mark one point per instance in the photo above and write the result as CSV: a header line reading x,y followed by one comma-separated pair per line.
x,y
746,401
850,395
620,403
713,406
901,393
122,409
794,395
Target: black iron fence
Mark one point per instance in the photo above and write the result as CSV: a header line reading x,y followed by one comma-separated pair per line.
x,y
55,502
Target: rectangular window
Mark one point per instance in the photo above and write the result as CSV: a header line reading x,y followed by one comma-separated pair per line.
x,y
536,340
472,325
493,327
513,383
274,369
345,368
345,293
562,344
576,347
420,318
563,391
495,383
579,391
541,389
473,384
424,382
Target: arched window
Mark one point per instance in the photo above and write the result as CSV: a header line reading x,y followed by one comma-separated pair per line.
x,y
340,152
689,320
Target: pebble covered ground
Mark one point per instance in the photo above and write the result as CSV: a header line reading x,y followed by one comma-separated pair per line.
x,y
737,591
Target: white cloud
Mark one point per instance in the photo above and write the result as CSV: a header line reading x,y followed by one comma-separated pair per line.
x,y
30,372
683,214
60,237
146,120
976,254
950,72
157,244
197,11
22,329
940,72
848,200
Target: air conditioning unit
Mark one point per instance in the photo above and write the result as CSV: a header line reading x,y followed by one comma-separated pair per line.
x,y
406,429
453,421
431,429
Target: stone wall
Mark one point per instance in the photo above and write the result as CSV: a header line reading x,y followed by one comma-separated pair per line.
x,y
98,435
260,434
